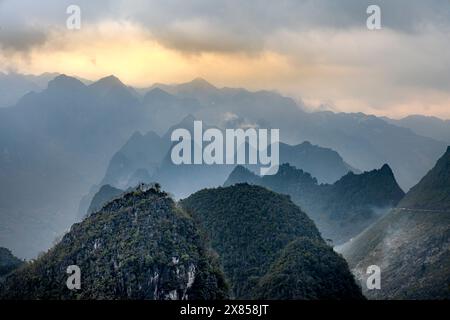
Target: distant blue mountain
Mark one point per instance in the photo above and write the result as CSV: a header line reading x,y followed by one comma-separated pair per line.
x,y
364,141
149,157
340,210
426,126
56,142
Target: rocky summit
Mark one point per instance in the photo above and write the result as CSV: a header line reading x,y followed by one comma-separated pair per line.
x,y
138,246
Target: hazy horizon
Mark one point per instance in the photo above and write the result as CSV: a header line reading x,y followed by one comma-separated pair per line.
x,y
302,104
320,52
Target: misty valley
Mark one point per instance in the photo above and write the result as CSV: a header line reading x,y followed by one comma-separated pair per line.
x,y
192,192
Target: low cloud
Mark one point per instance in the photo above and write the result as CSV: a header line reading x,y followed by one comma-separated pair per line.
x,y
228,25
317,50
21,40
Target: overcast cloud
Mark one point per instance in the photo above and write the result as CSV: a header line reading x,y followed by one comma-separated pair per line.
x,y
183,24
326,41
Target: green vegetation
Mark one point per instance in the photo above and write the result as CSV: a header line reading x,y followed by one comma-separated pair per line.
x,y
308,269
104,195
139,246
142,245
249,226
340,210
411,243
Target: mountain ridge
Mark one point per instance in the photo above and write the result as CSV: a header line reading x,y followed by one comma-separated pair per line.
x,y
69,132
249,226
138,246
433,190
340,210
411,243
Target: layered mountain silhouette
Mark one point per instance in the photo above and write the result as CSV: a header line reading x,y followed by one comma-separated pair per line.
x,y
368,142
324,164
411,243
139,160
139,157
182,180
426,126
364,141
138,246
59,141
14,86
167,109
254,231
143,245
55,144
340,210
102,197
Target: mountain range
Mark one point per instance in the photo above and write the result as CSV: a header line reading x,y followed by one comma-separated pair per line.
x,y
364,141
426,126
55,144
140,160
143,245
410,244
14,86
340,210
72,150
254,230
139,246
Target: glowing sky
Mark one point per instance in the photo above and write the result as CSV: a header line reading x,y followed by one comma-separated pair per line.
x,y
318,51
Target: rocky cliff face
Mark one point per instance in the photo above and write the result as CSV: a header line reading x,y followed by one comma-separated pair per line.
x,y
139,246
411,244
433,190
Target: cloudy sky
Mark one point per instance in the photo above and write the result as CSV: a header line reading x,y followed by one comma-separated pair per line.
x,y
319,51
